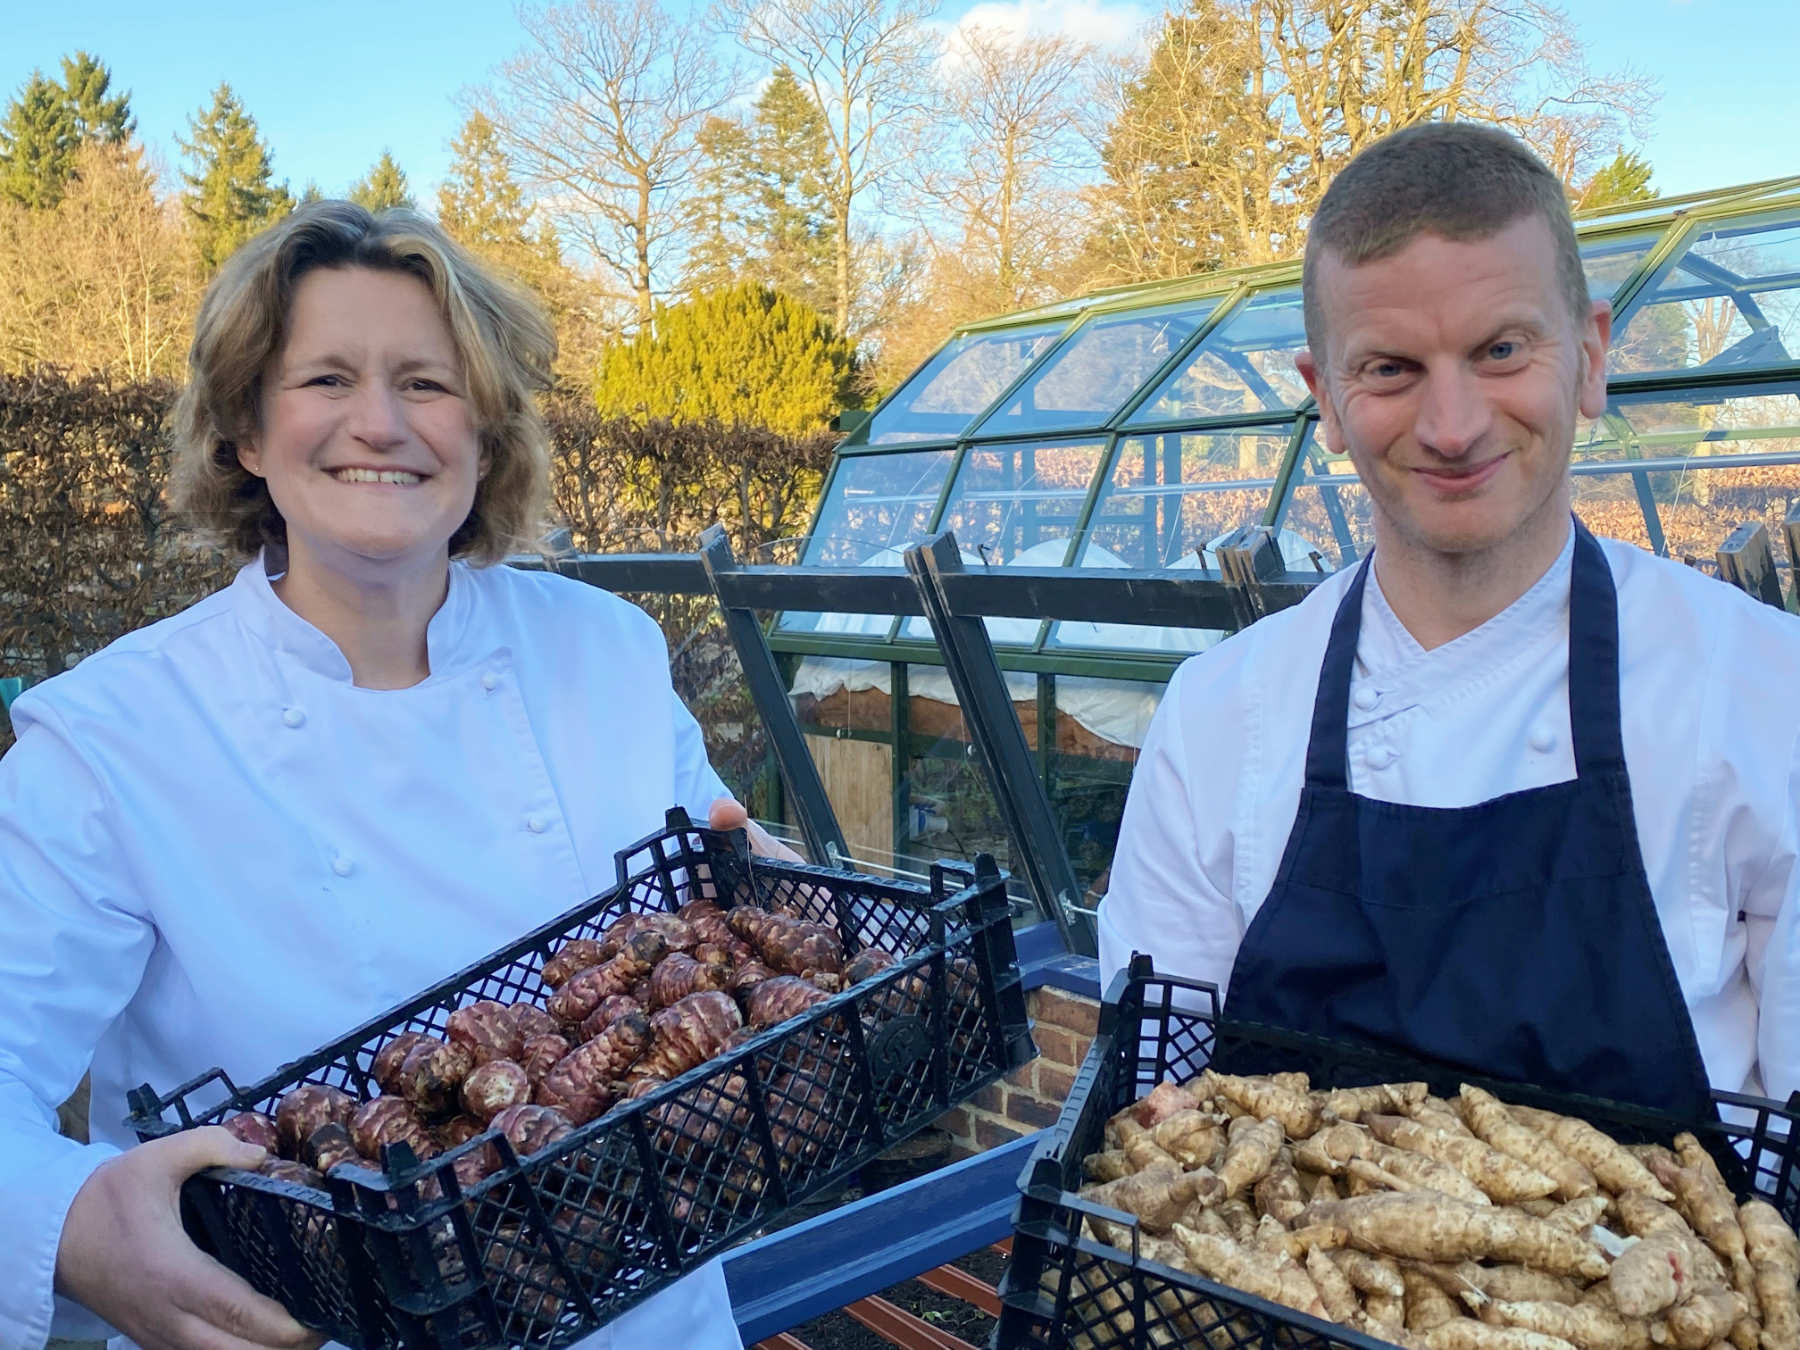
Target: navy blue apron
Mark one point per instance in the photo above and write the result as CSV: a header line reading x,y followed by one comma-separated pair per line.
x,y
1515,939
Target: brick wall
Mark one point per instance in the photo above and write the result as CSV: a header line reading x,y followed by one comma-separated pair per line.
x,y
1029,1098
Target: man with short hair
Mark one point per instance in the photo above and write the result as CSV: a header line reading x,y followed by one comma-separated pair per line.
x,y
1504,796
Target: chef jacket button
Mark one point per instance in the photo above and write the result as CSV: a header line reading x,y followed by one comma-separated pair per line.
x,y
1382,756
1366,698
535,824
342,865
490,681
1543,740
292,717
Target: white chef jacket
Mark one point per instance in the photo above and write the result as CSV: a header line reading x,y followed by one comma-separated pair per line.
x,y
215,849
1710,684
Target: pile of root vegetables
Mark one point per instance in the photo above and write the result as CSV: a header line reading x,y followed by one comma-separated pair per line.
x,y
1444,1225
650,998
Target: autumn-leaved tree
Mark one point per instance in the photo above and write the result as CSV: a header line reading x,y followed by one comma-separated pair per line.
x,y
743,354
102,282
383,187
231,189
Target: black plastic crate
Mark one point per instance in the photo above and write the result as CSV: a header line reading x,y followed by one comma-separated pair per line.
x,y
1065,1291
555,1244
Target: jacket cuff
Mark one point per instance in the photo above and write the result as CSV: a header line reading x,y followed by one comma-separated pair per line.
x,y
30,1308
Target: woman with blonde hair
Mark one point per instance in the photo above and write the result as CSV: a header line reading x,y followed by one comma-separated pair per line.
x,y
368,761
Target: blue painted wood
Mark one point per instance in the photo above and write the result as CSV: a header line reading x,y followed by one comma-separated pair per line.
x,y
1070,973
786,1278
1045,961
1037,943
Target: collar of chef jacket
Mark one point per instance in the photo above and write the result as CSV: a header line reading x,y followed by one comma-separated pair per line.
x,y
1394,674
266,615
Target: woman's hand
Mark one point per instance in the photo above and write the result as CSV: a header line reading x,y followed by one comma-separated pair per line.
x,y
125,1256
728,813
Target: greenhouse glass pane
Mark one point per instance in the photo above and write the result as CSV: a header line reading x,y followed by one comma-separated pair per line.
x,y
1672,476
846,710
1093,374
1016,504
877,506
1100,726
948,810
1327,512
1609,262
966,376
1166,502
1245,365
840,693
1170,494
1729,300
1679,476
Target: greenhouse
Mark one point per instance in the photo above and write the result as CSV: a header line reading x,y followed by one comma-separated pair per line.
x,y
1138,428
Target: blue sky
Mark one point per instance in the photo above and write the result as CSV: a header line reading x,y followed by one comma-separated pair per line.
x,y
336,83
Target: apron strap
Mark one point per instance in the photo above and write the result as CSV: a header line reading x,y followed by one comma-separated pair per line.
x,y
1328,752
1594,719
1594,716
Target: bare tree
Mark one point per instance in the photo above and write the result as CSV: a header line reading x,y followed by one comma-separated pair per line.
x,y
864,62
105,282
1354,73
600,115
1009,150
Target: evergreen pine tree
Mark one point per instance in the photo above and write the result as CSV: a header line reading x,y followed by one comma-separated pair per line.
x,y
310,194
230,193
479,203
721,216
1625,179
482,207
790,168
382,187
38,139
761,208
100,118
1170,157
743,354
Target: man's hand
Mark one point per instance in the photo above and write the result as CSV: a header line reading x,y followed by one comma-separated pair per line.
x,y
728,813
125,1256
